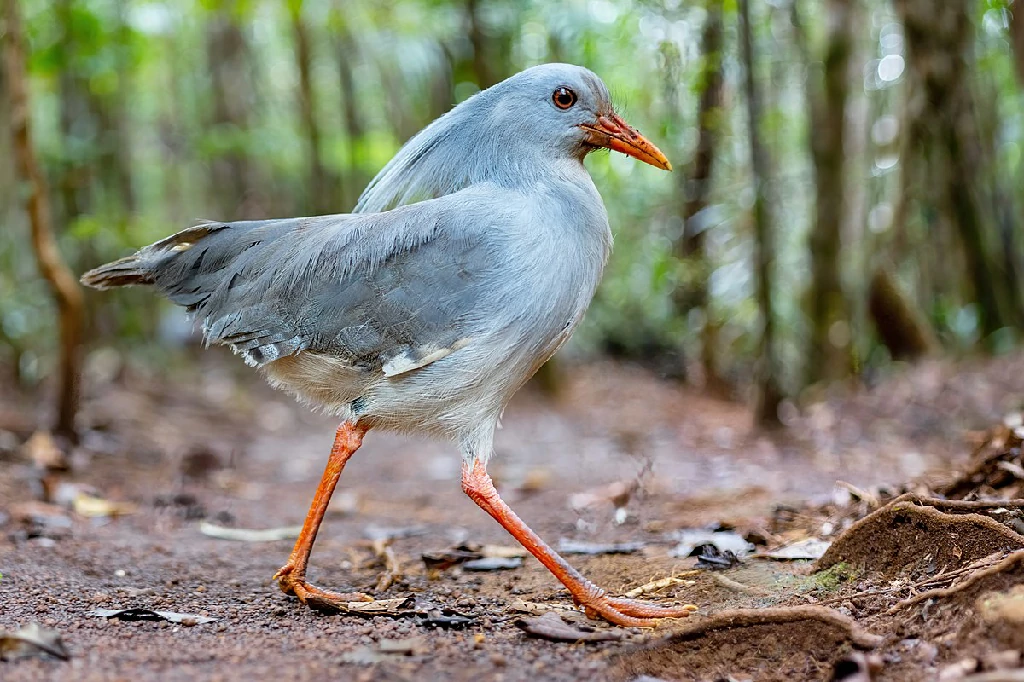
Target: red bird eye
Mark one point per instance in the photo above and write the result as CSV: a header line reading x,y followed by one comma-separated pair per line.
x,y
563,98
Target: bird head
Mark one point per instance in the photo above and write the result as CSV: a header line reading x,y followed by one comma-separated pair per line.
x,y
510,133
567,110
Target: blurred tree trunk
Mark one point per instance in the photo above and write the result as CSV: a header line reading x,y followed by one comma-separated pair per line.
x,y
63,286
692,246
319,191
76,120
355,177
830,355
769,394
944,165
11,349
899,323
482,69
1017,38
228,58
115,118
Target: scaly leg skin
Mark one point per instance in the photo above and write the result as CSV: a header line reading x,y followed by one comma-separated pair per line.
x,y
292,576
594,600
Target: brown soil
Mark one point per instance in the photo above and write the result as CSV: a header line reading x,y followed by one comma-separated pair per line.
x,y
227,451
904,539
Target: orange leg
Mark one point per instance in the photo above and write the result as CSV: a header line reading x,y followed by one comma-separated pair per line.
x,y
595,601
292,576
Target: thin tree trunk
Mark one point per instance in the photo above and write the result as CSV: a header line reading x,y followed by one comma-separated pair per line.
x,y
693,245
830,353
321,198
769,394
478,39
355,177
76,120
946,165
119,138
228,56
65,289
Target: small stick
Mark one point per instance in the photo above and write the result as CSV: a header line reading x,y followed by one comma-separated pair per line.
x,y
871,500
661,584
736,585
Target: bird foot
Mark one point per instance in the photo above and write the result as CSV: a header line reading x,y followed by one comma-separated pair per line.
x,y
631,613
294,583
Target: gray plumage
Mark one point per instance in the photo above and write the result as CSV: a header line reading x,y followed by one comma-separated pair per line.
x,y
422,316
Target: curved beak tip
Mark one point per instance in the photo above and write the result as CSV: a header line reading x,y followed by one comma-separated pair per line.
x,y
612,132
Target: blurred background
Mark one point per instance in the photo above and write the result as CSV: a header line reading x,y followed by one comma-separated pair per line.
x,y
848,187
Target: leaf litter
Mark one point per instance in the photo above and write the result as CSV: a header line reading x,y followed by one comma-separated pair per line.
x,y
961,625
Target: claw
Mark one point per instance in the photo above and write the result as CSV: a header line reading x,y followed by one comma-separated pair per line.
x,y
633,614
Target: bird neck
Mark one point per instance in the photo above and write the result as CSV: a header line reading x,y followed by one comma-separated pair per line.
x,y
466,146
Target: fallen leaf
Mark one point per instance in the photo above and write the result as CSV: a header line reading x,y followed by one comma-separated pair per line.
x,y
500,551
31,640
373,532
551,626
447,558
445,619
400,606
249,534
573,547
493,564
91,506
536,609
811,548
187,619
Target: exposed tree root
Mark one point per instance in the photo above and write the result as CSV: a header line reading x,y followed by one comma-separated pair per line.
x,y
743,618
1009,562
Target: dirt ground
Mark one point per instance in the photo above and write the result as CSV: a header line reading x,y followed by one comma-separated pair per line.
x,y
616,457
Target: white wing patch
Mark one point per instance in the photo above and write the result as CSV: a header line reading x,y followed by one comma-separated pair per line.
x,y
415,358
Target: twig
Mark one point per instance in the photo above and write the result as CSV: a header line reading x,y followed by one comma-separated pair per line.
x,y
725,581
871,500
1014,468
661,584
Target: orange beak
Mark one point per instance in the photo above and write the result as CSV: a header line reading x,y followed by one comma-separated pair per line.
x,y
612,132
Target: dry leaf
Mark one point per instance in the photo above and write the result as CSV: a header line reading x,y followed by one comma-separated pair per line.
x,y
90,506
573,547
551,626
31,640
249,534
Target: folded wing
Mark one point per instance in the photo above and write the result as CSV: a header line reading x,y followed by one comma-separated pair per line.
x,y
387,291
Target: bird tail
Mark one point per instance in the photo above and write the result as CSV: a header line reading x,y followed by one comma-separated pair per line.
x,y
141,267
124,272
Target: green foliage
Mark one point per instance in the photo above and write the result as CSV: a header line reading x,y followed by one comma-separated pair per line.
x,y
126,86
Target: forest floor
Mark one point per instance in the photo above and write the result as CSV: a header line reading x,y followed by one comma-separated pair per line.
x,y
916,589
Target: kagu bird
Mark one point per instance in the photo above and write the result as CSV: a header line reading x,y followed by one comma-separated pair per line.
x,y
470,259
